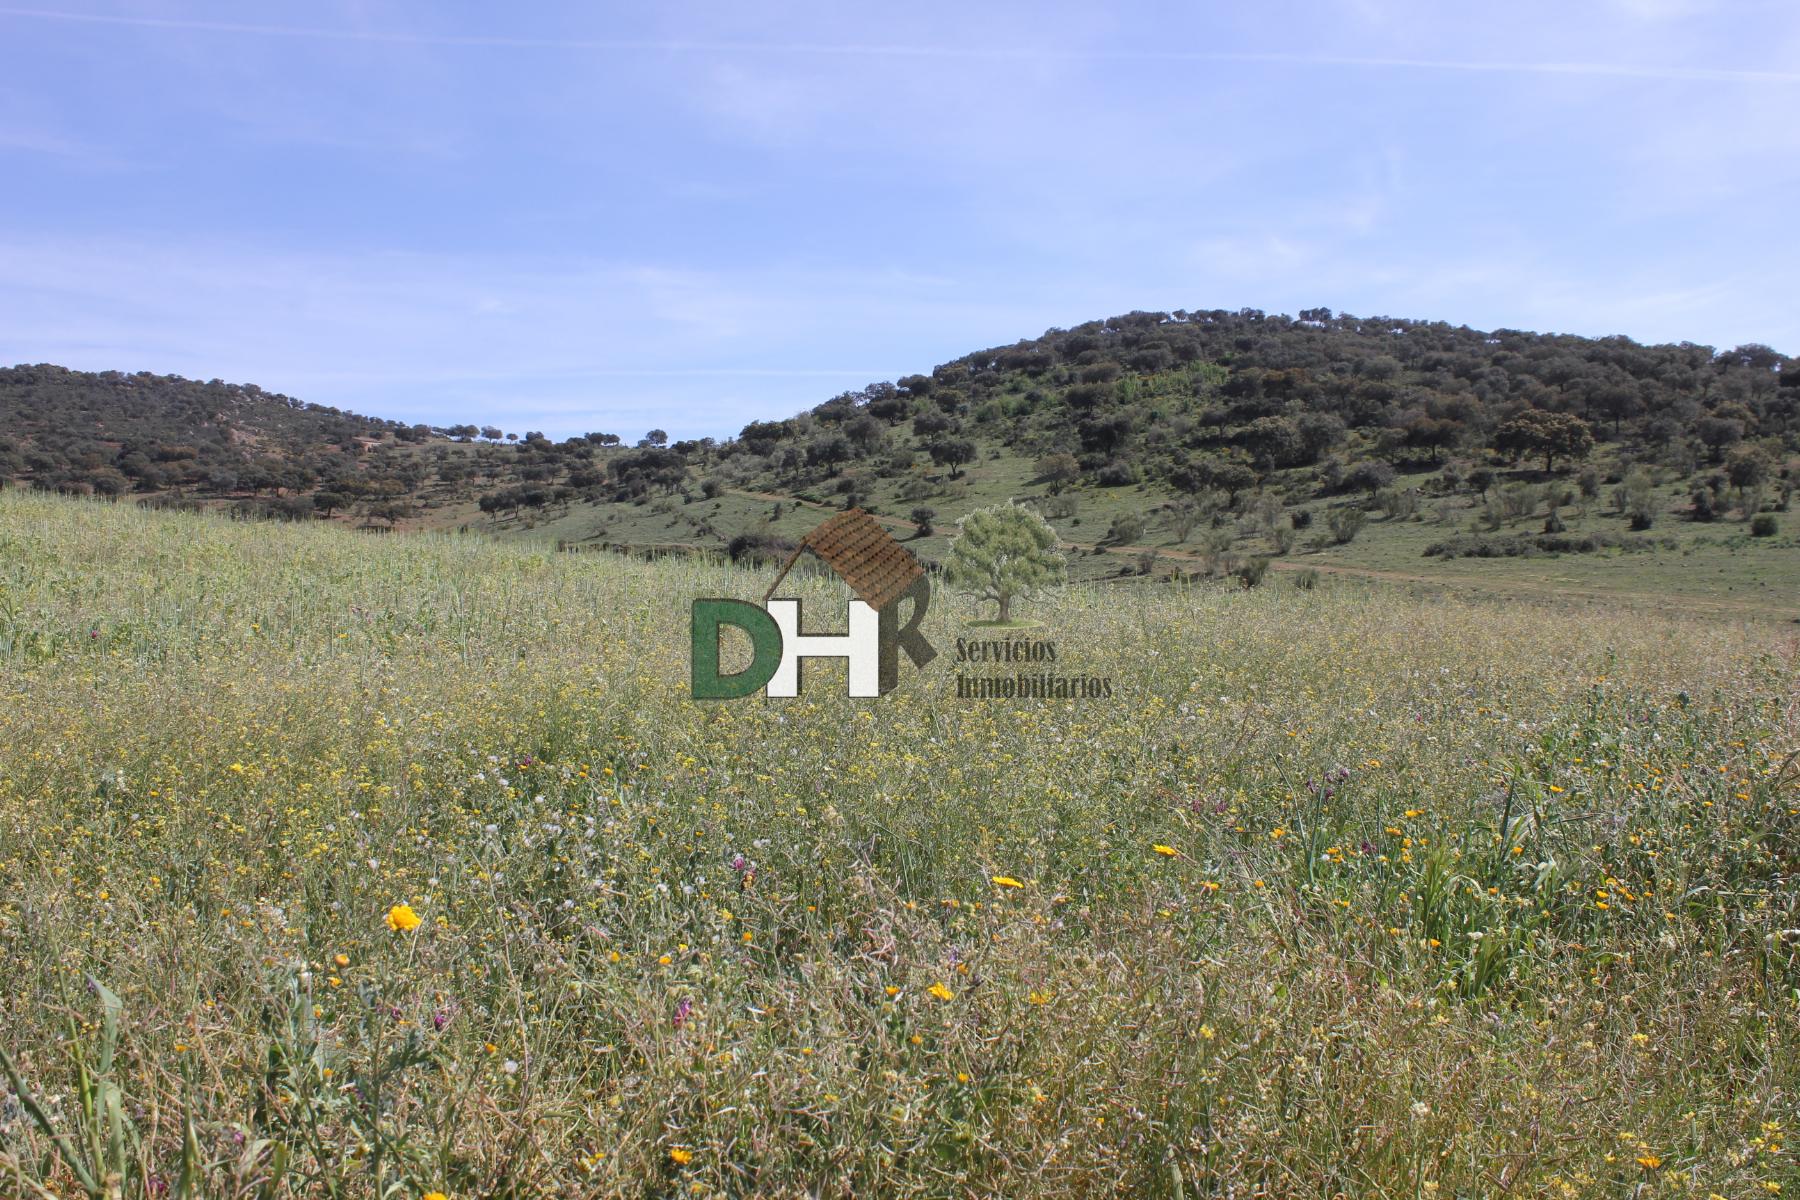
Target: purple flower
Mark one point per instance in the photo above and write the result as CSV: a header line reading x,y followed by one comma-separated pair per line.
x,y
681,1012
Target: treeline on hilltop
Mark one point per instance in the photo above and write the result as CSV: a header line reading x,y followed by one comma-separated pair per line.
x,y
173,440
1221,400
1215,405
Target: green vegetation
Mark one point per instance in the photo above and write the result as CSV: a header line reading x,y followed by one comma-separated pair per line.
x,y
380,867
1003,553
1172,444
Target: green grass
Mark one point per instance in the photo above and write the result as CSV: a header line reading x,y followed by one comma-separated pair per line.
x,y
1454,896
1714,569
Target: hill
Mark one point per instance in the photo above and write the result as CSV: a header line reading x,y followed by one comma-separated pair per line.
x,y
1164,443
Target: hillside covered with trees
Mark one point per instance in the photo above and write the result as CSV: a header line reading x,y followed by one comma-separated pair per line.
x,y
1224,400
1227,436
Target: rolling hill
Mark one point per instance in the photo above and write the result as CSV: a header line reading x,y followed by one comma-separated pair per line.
x,y
1159,444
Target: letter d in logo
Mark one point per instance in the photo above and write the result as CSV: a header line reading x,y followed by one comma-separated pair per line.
x,y
765,649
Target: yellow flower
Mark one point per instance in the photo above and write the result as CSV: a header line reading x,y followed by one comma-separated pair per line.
x,y
940,991
1006,881
402,919
1166,851
434,1196
1649,1161
681,1157
342,960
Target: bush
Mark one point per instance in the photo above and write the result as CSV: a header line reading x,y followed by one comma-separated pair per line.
x,y
1117,474
1346,523
1306,580
758,548
1251,571
1764,525
1125,529
1483,545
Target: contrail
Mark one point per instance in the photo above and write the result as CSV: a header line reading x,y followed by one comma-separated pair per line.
x,y
893,50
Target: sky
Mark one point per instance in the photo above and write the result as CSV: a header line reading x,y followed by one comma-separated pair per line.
x,y
609,217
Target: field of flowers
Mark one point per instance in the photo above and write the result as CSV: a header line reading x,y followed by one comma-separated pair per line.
x,y
338,865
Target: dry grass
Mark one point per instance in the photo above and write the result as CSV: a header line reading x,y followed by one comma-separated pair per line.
x,y
1462,899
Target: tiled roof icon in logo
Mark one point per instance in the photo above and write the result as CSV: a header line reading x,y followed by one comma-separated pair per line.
x,y
865,556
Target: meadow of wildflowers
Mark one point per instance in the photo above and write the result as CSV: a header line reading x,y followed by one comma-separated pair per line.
x,y
404,867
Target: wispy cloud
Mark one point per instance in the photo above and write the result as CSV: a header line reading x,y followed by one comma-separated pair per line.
x,y
894,50
695,213
445,337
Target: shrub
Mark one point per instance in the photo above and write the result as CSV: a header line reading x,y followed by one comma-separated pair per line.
x,y
1117,474
1346,523
1125,529
1250,572
1764,525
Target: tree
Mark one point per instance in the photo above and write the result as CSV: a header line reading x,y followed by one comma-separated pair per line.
x,y
1369,475
656,437
1201,474
952,453
1553,435
828,451
1747,467
1058,469
1274,442
922,517
1004,552
1184,514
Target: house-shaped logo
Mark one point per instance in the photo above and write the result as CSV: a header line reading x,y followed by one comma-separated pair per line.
x,y
883,575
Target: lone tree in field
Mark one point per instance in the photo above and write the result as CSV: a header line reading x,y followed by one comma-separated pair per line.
x,y
1003,552
1553,435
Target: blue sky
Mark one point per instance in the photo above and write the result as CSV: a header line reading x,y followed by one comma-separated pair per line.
x,y
613,217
